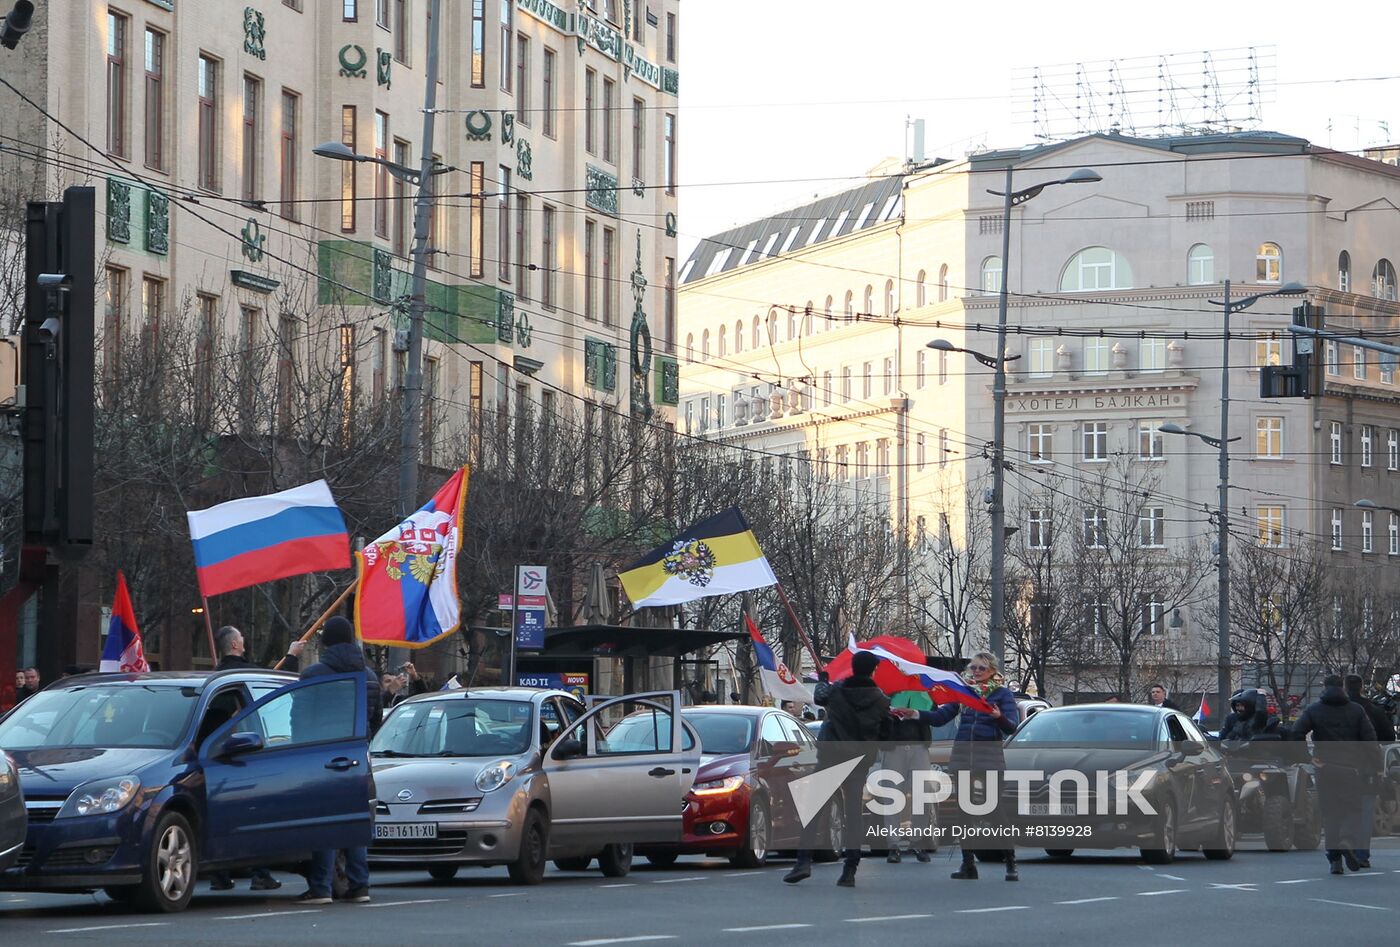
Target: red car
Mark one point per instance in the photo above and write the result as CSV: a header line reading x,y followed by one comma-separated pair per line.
x,y
750,754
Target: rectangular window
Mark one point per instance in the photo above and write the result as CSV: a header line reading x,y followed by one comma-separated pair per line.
x,y
381,174
1268,438
920,367
286,370
843,463
1368,530
1334,437
609,120
379,364
1040,440
439,233
1152,615
590,132
152,312
1096,356
478,44
503,224
1358,363
668,157
1269,521
845,385
400,201
719,410
350,10
155,100
1149,441
1368,439
116,83
547,265
609,276
381,13
639,140
1336,529
114,323
400,30
507,29
547,105
290,155
670,305
1095,528
347,170
477,223
1333,366
862,460
867,380
522,79
882,457
889,376
252,107
920,452
590,270
670,37
207,81
943,368
1040,357
206,341
1096,440
1152,355
1393,547
1392,450
475,406
522,247
943,449
1268,351
1096,617
1152,526
1038,532
1387,363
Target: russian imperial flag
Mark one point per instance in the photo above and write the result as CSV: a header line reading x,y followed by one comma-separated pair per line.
x,y
122,650
406,593
716,556
258,539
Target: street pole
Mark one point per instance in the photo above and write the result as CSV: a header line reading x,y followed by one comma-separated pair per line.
x,y
1222,681
412,424
996,626
514,624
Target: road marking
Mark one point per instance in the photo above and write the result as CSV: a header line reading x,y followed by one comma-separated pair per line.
x,y
886,917
1088,900
508,894
1349,904
737,874
1367,874
1148,894
245,917
620,940
1008,907
672,881
1247,886
106,927
621,884
1295,881
1172,877
396,904
764,927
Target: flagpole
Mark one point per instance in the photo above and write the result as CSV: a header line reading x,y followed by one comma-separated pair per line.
x,y
209,630
797,623
340,599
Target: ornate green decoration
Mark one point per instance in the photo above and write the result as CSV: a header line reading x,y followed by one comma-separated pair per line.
x,y
157,223
353,60
384,63
505,317
599,365
641,339
254,33
524,160
524,332
253,239
670,223
479,125
668,380
600,190
548,12
383,275
597,33
639,188
507,127
118,211
670,81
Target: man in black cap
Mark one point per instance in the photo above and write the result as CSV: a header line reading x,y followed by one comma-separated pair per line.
x,y
857,718
341,654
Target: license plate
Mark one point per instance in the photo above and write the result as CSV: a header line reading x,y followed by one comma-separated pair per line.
x,y
1044,808
405,830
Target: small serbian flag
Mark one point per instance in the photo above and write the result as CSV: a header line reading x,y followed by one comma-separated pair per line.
x,y
778,682
945,686
406,593
258,539
1203,712
122,651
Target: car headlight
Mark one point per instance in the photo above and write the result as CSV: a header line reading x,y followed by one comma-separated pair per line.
x,y
495,776
9,773
101,796
717,787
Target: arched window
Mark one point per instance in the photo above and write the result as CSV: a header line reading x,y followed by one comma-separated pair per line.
x,y
1344,272
690,347
791,324
991,275
943,283
723,341
1200,265
850,313
807,327
868,306
757,335
1096,268
772,326
1383,281
705,346
827,312
889,298
738,336
921,289
1268,264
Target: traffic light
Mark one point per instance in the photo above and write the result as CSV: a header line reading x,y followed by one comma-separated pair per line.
x,y
1303,378
60,296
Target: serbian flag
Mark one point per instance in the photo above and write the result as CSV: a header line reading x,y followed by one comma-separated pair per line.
x,y
406,593
258,539
778,682
122,651
1203,711
903,672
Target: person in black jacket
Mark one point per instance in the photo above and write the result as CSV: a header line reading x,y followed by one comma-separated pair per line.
x,y
1249,716
340,654
857,718
1346,753
1385,733
1157,696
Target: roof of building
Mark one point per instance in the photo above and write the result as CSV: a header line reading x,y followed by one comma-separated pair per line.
x,y
824,219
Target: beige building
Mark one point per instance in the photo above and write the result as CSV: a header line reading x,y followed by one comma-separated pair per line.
x,y
1114,331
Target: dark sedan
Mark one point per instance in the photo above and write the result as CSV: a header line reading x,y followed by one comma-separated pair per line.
x,y
13,821
1095,754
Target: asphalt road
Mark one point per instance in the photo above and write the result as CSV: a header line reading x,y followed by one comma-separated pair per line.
x,y
1253,898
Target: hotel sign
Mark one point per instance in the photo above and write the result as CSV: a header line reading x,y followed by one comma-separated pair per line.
x,y
1152,400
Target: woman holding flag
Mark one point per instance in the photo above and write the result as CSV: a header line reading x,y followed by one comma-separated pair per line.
x,y
977,746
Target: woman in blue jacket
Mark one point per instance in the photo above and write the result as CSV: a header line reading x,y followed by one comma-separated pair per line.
x,y
977,746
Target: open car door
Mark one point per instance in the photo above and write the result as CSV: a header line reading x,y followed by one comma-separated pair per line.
x,y
621,771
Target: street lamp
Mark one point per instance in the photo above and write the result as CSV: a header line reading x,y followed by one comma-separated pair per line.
x,y
1222,445
1011,198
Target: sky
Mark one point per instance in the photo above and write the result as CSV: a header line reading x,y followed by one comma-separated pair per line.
x,y
782,100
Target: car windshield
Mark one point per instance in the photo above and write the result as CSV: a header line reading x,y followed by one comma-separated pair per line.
x,y
722,734
106,716
456,727
1088,727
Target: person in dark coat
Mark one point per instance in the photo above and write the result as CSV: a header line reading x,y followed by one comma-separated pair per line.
x,y
1385,733
1249,717
397,688
340,654
857,718
1347,754
1157,696
977,746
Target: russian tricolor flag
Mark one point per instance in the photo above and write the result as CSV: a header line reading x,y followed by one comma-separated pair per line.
x,y
122,650
944,686
258,539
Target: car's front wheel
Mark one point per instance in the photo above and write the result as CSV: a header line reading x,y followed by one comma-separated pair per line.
x,y
528,867
171,866
1223,848
835,831
616,859
1163,851
755,853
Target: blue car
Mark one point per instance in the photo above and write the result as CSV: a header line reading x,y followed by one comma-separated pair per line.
x,y
136,783
12,818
